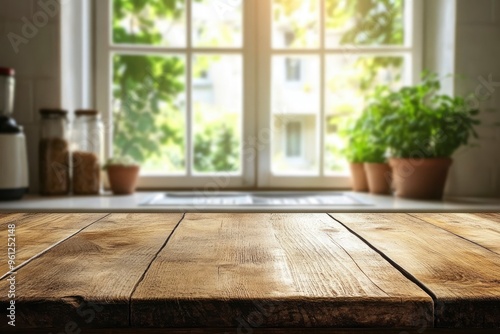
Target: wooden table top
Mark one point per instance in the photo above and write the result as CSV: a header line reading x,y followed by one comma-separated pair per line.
x,y
245,273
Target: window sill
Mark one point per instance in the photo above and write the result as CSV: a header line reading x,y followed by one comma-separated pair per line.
x,y
132,203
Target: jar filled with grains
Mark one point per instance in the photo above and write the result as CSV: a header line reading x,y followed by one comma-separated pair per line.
x,y
87,152
54,153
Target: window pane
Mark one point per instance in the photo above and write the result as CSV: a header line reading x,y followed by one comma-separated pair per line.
x,y
294,139
153,22
149,111
217,105
349,80
217,23
295,105
364,22
296,23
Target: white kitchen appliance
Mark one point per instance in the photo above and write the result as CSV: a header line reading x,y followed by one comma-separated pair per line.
x,y
13,155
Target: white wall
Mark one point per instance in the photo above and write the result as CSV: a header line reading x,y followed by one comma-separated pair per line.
x,y
37,64
476,170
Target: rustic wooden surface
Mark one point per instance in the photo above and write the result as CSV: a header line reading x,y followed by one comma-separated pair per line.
x,y
97,269
463,277
36,233
483,229
306,270
5,218
226,273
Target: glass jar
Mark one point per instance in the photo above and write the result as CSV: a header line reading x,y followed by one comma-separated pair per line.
x,y
87,152
54,152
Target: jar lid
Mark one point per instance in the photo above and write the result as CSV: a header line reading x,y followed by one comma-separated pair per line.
x,y
47,112
86,112
7,72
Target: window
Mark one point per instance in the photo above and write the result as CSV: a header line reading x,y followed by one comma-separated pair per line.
x,y
293,140
234,94
293,69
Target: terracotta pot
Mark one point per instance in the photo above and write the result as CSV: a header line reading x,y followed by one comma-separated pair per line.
x,y
359,181
123,179
420,178
379,178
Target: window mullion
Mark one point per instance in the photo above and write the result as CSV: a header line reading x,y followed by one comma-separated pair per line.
x,y
103,77
321,121
144,49
249,155
189,87
414,14
264,132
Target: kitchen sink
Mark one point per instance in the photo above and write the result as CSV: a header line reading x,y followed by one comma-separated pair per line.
x,y
252,199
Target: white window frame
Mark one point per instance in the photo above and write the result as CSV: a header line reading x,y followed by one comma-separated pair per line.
x,y
412,50
256,118
104,52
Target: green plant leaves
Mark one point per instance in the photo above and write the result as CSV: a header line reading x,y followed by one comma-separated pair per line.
x,y
424,123
364,144
413,122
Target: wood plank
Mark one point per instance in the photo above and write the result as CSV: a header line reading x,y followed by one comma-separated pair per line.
x,y
90,277
6,218
463,276
482,229
273,270
36,233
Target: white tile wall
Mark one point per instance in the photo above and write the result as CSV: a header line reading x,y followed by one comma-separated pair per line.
x,y
476,171
15,9
24,112
44,92
37,67
439,39
477,11
50,7
39,57
496,5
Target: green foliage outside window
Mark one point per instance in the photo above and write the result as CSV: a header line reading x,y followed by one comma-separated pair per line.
x,y
149,91
149,98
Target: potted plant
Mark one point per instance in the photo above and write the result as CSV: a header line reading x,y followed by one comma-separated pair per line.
x,y
422,129
356,155
122,175
366,154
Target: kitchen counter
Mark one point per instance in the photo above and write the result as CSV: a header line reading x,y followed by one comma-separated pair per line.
x,y
133,203
236,272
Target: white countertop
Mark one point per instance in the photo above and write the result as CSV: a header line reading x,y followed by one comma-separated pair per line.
x,y
132,203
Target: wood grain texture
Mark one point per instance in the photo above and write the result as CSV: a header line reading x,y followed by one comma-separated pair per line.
x,y
482,229
7,218
273,270
463,276
90,277
36,233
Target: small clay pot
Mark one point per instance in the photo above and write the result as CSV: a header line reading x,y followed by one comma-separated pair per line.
x,y
420,178
359,181
123,179
379,178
